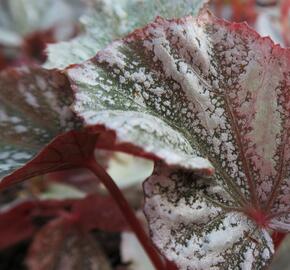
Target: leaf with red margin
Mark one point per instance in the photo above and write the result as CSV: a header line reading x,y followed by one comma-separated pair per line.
x,y
59,245
93,212
34,108
190,88
40,110
37,112
18,223
212,89
198,225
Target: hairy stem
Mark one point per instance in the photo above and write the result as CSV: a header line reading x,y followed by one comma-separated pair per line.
x,y
127,211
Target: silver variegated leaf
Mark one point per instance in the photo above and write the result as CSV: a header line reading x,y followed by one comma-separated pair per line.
x,y
113,19
41,133
209,89
22,17
197,233
34,108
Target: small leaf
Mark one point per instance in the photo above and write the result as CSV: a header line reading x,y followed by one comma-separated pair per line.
x,y
111,20
18,223
60,246
15,225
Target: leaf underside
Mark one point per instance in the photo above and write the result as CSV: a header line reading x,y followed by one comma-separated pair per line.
x,y
59,246
209,89
25,213
110,20
108,218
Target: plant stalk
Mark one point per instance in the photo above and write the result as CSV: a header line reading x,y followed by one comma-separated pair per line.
x,y
127,211
278,238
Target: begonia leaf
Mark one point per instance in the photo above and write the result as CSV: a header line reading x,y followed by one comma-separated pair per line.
x,y
59,245
113,19
91,212
21,17
44,111
222,91
34,108
198,225
193,92
18,223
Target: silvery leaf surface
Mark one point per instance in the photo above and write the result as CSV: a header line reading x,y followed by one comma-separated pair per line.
x,y
213,90
113,19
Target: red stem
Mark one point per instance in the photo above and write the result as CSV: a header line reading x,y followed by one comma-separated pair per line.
x,y
127,211
278,238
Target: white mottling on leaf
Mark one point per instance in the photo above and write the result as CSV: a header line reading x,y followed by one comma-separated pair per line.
x,y
198,86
